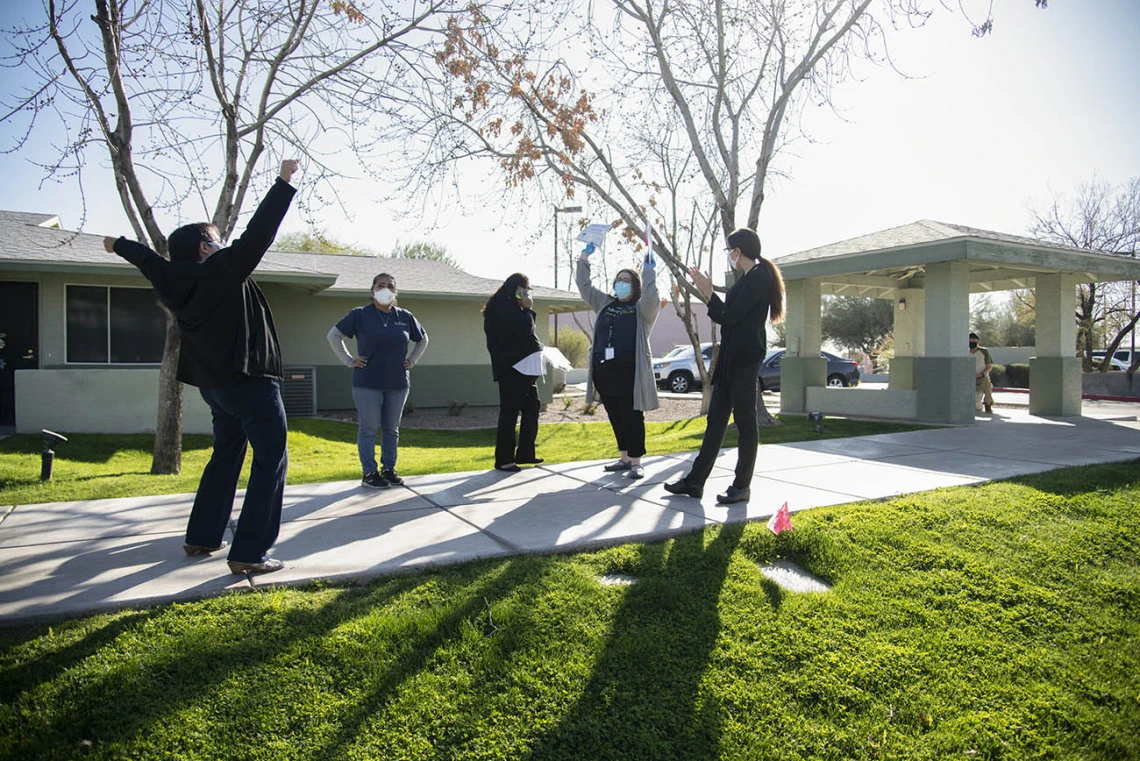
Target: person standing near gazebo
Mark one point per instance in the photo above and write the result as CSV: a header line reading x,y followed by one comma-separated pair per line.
x,y
983,388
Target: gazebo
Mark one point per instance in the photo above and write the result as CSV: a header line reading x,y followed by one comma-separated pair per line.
x,y
928,270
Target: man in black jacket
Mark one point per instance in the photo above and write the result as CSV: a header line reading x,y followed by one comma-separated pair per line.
x,y
231,353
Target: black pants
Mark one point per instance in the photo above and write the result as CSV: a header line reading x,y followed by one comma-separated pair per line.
x,y
736,395
517,394
613,382
248,413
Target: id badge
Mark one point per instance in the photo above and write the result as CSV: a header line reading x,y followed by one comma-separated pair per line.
x,y
609,353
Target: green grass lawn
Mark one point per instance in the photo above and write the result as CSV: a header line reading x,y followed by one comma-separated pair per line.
x,y
97,466
996,622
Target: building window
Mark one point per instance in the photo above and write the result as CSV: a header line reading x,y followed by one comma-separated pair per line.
x,y
114,325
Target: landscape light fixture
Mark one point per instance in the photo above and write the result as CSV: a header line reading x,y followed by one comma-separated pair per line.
x,y
47,457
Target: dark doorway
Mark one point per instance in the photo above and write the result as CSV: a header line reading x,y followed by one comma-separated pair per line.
x,y
20,337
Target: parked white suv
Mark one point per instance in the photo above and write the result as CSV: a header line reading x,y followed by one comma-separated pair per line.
x,y
677,371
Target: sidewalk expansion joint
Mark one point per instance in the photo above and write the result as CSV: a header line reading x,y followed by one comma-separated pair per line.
x,y
8,512
509,545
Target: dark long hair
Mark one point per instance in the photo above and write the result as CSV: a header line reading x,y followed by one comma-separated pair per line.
x,y
748,242
635,284
507,290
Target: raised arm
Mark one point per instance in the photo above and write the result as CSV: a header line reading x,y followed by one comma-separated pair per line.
x,y
650,303
242,256
592,296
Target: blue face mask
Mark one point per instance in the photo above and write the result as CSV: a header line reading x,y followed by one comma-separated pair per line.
x,y
622,289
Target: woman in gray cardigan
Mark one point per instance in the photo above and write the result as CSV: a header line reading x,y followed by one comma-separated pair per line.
x,y
621,368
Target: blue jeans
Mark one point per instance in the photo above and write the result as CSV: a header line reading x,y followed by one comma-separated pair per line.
x,y
383,409
249,412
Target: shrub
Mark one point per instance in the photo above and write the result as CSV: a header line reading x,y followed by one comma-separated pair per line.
x,y
574,345
997,375
1017,375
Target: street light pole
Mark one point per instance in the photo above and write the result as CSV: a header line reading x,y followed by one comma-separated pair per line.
x,y
557,211
1132,348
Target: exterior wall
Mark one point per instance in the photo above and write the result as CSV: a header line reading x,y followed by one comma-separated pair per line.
x,y
123,398
53,337
1011,355
885,403
98,401
455,366
1111,384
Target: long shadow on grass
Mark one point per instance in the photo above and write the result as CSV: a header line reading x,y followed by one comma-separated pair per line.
x,y
134,696
418,652
44,669
643,699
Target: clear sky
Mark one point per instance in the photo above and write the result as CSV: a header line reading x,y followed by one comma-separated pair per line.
x,y
983,128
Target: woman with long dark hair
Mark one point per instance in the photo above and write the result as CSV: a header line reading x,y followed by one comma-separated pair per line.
x,y
516,363
755,297
621,364
380,374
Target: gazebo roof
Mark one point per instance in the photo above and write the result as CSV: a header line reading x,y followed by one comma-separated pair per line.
x,y
879,263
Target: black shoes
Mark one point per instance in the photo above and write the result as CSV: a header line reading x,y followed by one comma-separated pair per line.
x,y
685,489
265,565
389,475
619,466
989,409
508,468
733,495
374,481
198,549
531,461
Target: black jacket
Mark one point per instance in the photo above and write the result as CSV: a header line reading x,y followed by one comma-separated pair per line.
x,y
742,316
510,334
227,328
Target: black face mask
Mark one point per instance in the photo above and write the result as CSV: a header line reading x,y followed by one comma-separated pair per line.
x,y
973,344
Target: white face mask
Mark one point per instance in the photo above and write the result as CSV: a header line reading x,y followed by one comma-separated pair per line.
x,y
733,260
384,297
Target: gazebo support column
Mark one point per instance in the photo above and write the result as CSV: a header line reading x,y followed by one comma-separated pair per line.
x,y
1055,374
802,365
945,376
910,337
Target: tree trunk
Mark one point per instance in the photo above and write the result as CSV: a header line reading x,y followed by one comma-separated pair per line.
x,y
763,418
167,459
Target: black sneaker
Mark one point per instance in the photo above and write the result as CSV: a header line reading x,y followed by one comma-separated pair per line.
x,y
389,475
374,481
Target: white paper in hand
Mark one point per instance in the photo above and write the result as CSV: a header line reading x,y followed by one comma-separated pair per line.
x,y
556,359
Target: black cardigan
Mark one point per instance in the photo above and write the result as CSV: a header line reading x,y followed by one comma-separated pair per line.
x,y
510,334
742,316
226,325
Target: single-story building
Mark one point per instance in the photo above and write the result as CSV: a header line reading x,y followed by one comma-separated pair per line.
x,y
81,333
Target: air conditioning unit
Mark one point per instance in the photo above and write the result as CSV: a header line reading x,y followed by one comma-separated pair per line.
x,y
299,391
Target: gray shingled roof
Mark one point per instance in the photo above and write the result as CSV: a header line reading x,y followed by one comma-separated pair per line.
x,y
25,244
923,231
877,263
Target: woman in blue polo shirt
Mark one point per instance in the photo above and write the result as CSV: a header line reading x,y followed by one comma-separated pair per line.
x,y
380,374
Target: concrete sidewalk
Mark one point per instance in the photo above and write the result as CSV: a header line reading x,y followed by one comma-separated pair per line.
x,y
68,558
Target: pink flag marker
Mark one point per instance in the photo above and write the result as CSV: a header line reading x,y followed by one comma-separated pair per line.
x,y
781,521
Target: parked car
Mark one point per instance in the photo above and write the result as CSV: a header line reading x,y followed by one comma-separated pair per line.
x,y
677,371
840,372
1121,360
